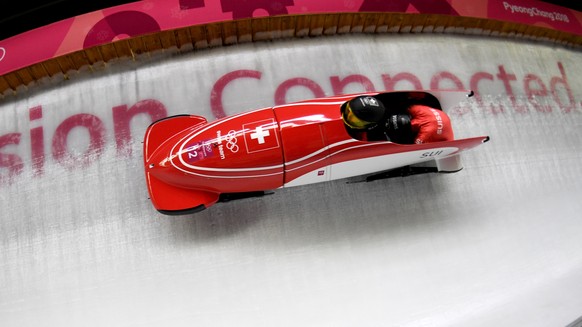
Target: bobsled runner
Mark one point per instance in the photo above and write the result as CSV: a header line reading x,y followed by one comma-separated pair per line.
x,y
191,164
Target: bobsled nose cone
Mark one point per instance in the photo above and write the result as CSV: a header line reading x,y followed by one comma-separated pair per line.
x,y
152,167
159,168
157,161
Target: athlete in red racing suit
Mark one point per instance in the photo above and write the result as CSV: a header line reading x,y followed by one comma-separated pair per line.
x,y
367,119
429,124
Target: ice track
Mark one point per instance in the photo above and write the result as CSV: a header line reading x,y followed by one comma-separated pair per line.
x,y
497,244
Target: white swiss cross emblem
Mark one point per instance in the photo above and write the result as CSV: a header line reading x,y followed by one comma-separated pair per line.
x,y
261,135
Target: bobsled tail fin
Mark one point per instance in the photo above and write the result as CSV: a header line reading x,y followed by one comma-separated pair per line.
x,y
161,130
450,164
171,200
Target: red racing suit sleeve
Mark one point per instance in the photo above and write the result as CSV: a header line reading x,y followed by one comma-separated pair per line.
x,y
429,124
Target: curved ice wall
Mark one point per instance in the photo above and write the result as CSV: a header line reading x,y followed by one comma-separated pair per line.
x,y
495,244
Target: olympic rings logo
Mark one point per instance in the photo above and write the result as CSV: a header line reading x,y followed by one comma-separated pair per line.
x,y
231,141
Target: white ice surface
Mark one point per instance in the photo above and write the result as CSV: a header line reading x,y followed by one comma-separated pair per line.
x,y
497,244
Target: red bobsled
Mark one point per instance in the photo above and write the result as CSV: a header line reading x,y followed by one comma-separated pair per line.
x,y
191,164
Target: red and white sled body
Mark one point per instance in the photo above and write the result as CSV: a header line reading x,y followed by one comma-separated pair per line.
x,y
190,163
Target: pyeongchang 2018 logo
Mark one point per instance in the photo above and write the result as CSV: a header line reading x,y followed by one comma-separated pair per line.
x,y
535,12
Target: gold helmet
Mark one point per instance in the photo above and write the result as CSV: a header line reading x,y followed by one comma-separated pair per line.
x,y
362,112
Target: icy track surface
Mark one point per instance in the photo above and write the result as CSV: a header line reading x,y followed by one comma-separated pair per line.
x,y
497,244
